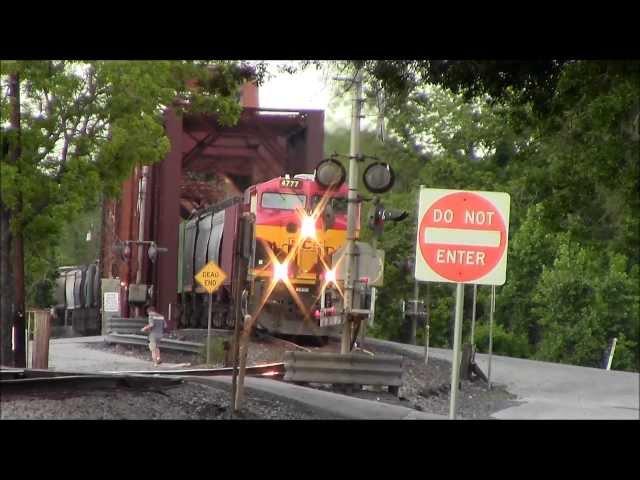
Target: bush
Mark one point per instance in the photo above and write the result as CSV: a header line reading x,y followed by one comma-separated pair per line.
x,y
504,342
586,298
217,350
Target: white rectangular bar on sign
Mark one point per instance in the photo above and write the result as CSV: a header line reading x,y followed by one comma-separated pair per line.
x,y
457,236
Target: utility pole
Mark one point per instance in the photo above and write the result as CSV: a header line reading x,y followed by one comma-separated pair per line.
x,y
416,285
142,199
352,209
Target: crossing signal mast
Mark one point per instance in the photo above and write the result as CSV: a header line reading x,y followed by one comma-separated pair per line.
x,y
378,177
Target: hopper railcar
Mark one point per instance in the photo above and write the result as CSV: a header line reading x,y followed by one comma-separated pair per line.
x,y
77,297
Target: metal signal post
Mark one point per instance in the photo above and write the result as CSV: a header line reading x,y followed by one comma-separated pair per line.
x,y
455,360
354,157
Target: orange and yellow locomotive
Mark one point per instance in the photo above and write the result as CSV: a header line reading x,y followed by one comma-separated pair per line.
x,y
298,226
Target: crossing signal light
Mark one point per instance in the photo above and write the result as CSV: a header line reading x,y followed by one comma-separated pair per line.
x,y
380,214
330,173
379,177
395,215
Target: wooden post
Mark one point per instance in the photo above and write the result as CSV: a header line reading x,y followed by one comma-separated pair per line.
x,y
244,350
239,273
42,332
465,363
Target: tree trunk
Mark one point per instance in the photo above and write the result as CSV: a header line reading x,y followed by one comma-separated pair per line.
x,y
6,289
19,358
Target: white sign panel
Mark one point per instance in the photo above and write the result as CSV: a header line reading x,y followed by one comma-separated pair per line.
x,y
462,236
111,302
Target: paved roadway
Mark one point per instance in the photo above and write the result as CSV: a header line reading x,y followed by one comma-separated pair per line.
x,y
340,405
70,354
553,390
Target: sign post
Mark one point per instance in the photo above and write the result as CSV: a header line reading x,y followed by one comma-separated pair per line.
x,y
492,309
473,320
462,238
210,277
455,361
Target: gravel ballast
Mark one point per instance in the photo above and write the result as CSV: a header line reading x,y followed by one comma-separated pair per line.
x,y
425,388
187,401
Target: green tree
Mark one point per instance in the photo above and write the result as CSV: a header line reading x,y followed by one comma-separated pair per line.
x,y
83,127
562,139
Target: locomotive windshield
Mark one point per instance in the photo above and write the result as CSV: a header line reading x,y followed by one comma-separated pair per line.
x,y
283,201
339,204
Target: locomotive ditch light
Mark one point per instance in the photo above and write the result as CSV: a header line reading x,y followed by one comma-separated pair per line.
x,y
379,177
330,276
280,272
330,173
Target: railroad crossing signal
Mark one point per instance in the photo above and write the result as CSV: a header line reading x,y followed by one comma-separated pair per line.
x,y
462,237
211,277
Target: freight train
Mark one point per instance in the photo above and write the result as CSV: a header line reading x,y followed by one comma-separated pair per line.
x,y
77,297
298,226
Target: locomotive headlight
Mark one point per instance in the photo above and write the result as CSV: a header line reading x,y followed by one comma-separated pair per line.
x,y
330,276
308,229
280,271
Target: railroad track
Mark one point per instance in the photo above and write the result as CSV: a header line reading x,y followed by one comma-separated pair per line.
x,y
89,381
15,380
271,370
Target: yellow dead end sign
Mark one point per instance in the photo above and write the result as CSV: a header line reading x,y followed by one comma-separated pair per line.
x,y
211,277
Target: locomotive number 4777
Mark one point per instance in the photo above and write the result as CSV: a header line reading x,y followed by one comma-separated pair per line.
x,y
286,182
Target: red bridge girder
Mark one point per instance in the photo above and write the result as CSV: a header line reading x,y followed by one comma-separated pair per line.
x,y
264,144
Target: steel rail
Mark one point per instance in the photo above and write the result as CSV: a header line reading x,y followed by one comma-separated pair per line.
x,y
272,370
88,381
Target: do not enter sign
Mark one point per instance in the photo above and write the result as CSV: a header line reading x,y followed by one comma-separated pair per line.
x,y
462,237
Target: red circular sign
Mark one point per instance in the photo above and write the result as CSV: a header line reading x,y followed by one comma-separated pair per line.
x,y
462,236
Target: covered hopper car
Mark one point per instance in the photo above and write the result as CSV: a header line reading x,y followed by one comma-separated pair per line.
x,y
77,297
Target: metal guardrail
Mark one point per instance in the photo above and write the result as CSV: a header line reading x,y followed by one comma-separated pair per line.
x,y
124,325
164,343
337,368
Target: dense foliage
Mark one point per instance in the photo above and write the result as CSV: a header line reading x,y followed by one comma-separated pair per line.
x,y
562,139
84,126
